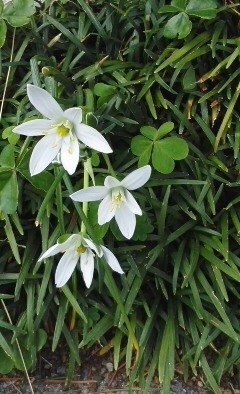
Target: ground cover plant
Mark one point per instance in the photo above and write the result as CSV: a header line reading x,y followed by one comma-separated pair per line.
x,y
159,80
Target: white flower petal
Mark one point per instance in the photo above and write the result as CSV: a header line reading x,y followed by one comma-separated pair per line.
x,y
66,267
111,260
44,102
92,138
106,210
92,193
91,244
126,221
137,178
70,154
34,127
74,115
132,203
111,182
62,247
43,153
87,267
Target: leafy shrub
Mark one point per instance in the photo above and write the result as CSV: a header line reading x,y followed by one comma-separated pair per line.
x,y
138,69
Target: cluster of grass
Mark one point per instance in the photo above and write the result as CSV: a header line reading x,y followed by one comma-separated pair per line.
x,y
176,307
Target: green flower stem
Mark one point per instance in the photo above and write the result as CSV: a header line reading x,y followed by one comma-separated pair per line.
x,y
110,282
49,196
110,168
79,209
59,202
85,185
83,231
74,290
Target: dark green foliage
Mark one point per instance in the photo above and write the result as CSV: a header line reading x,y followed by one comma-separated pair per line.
x,y
178,302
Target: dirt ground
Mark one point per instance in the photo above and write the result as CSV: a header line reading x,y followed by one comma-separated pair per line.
x,y
94,375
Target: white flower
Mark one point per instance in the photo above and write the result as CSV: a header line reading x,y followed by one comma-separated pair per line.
x,y
117,200
61,131
78,247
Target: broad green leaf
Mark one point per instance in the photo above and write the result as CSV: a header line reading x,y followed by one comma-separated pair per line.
x,y
18,12
41,181
203,9
176,6
178,26
166,151
8,191
8,134
168,9
179,4
7,157
144,158
3,31
164,129
139,145
6,363
161,160
148,131
1,6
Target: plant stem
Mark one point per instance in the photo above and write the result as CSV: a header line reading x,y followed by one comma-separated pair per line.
x,y
110,168
83,231
85,185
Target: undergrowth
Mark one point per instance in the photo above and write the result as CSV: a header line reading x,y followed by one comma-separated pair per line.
x,y
128,65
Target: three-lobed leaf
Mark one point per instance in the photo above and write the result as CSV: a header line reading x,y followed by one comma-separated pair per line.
x,y
203,9
3,31
18,12
178,26
164,152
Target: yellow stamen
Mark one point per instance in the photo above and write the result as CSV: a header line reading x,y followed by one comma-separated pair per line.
x,y
118,197
81,249
62,130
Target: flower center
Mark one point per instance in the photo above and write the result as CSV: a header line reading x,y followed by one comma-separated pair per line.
x,y
118,197
81,249
62,130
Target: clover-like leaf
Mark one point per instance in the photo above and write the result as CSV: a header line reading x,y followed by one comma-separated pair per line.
x,y
203,9
148,131
163,151
8,134
178,26
3,31
176,6
18,12
142,147
166,151
164,129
